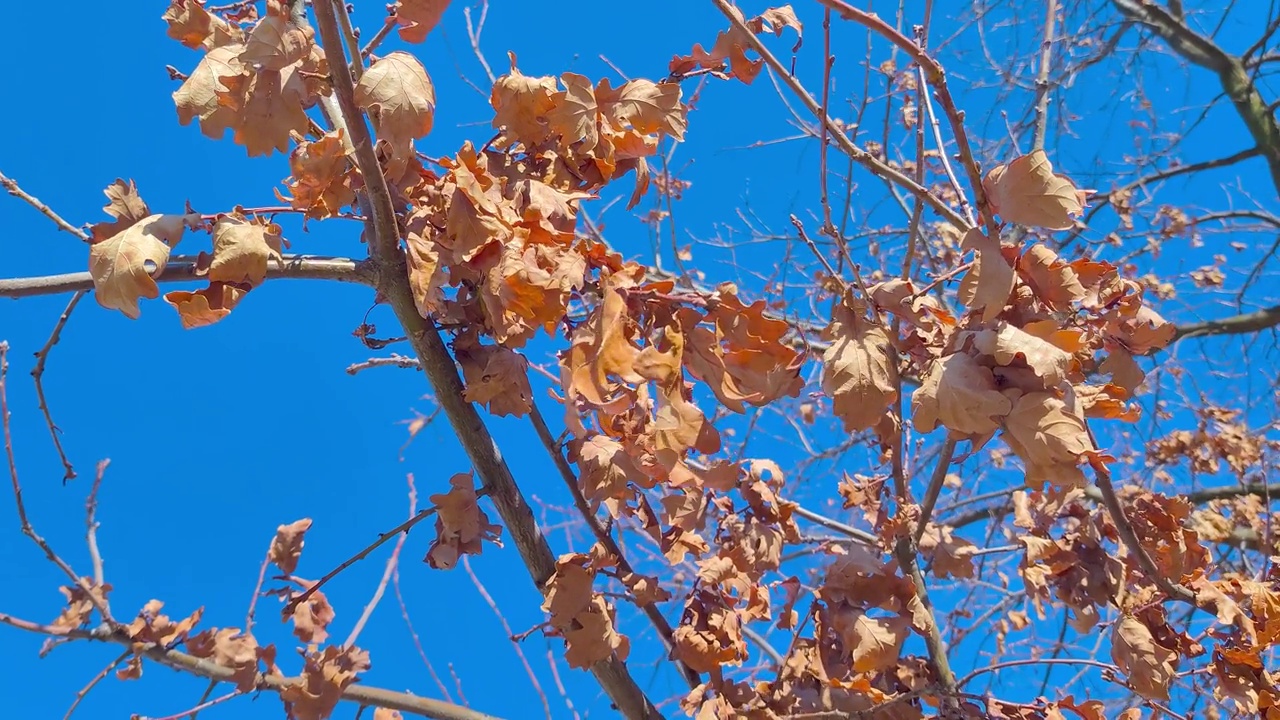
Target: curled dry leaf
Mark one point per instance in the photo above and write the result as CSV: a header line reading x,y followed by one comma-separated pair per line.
x,y
417,18
311,618
193,26
321,176
1149,665
150,627
731,45
1051,439
277,42
606,471
1026,191
125,205
400,99
242,248
230,648
1054,282
325,674
858,372
1013,348
594,636
124,266
286,546
496,377
989,282
205,306
961,394
874,643
461,525
949,555
80,604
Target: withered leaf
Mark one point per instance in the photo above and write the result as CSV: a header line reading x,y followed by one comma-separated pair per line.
x,y
1054,282
286,546
325,674
1051,439
989,282
277,42
193,26
417,18
858,371
461,526
497,377
205,306
961,394
401,100
1149,665
124,266
874,643
1026,191
242,248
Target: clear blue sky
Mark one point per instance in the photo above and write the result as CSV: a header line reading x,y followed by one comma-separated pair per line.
x,y
218,435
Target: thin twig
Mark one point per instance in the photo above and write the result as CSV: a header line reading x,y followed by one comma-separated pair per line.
x,y
392,563
193,711
91,523
506,627
99,602
104,672
12,186
935,484
37,375
1042,76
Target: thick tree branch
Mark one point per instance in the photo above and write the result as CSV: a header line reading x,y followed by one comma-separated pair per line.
x,y
438,364
182,268
1234,325
1235,79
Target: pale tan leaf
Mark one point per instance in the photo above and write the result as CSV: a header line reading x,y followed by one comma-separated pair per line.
x,y
1149,665
1027,192
989,282
1050,438
961,394
858,373
418,17
124,267
242,248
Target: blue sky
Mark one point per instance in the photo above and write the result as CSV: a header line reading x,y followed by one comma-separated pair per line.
x,y
220,434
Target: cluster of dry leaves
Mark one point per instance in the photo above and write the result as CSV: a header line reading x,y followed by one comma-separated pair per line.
x,y
1041,347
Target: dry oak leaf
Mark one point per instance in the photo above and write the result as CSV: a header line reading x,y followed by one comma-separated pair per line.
x,y
325,674
521,104
1123,369
1149,665
387,714
461,526
124,266
198,95
321,178
286,546
989,282
80,604
1051,439
1011,347
193,26
574,114
277,42
126,206
242,248
269,108
606,470
311,618
732,45
230,648
709,635
961,394
400,99
417,18
496,377
1054,282
743,358
874,643
205,306
152,628
643,106
1026,191
568,591
949,555
858,371
594,637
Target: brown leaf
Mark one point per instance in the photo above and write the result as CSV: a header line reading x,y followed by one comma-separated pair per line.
x,y
643,106
80,605
1050,438
193,26
321,177
416,19
277,42
858,372
286,546
125,205
574,115
265,109
150,627
1054,282
1013,347
325,674
461,526
961,394
123,266
606,470
521,104
873,643
205,306
1123,369
241,249
401,100
311,617
497,377
1149,665
989,282
1026,191
593,637
950,556
387,714
230,648
198,95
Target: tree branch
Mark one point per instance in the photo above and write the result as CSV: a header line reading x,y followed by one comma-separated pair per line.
x,y
438,364
1233,76
182,268
1234,325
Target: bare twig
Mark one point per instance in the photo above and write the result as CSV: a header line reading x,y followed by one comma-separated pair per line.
x,y
99,601
196,709
91,523
37,375
12,186
935,484
506,627
1042,76
393,562
93,682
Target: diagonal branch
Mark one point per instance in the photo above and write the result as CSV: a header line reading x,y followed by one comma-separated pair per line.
x,y
1234,325
182,268
1235,79
438,364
